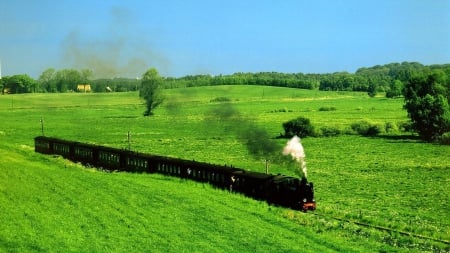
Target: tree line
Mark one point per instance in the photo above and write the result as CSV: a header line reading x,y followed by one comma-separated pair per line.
x,y
65,80
389,79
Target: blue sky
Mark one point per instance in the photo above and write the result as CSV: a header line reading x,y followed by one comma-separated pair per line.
x,y
124,38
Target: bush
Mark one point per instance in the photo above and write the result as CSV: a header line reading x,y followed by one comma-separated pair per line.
x,y
330,131
300,126
444,139
374,130
281,110
220,99
366,129
390,127
327,108
406,126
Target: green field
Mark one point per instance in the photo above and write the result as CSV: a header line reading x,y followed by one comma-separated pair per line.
x,y
392,181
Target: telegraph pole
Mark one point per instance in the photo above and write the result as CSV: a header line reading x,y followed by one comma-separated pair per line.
x,y
42,126
129,140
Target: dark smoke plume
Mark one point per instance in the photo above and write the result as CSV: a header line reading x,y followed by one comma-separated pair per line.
x,y
257,140
259,143
123,51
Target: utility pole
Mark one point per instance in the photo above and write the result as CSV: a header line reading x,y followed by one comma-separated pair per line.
x,y
129,141
42,126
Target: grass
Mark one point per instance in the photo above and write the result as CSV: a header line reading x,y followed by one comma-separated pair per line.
x,y
54,205
393,180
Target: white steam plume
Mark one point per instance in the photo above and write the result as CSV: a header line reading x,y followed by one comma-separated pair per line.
x,y
295,149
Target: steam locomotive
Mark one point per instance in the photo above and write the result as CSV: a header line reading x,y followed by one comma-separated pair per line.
x,y
280,190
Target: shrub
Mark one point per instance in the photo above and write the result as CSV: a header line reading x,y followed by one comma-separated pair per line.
x,y
374,130
281,110
390,127
328,131
444,139
366,129
327,108
360,127
300,126
220,99
405,126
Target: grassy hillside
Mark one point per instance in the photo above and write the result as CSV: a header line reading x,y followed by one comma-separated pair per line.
x,y
393,181
53,205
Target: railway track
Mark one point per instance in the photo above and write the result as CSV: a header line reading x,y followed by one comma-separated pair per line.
x,y
381,228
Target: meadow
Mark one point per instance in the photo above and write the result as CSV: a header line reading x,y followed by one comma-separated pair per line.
x,y
393,180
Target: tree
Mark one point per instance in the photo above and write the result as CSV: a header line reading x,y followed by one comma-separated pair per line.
x,y
300,126
86,75
47,80
67,79
2,84
372,89
19,84
427,103
395,89
150,91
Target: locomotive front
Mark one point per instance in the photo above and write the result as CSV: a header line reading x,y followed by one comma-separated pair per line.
x,y
307,190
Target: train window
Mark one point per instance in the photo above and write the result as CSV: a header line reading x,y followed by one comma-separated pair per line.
x,y
61,148
42,144
83,152
109,157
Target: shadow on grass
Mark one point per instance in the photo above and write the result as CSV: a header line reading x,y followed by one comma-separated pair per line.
x,y
400,138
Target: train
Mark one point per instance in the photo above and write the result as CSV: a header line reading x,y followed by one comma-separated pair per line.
x,y
280,190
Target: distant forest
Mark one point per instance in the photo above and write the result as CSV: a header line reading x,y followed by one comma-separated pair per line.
x,y
389,78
